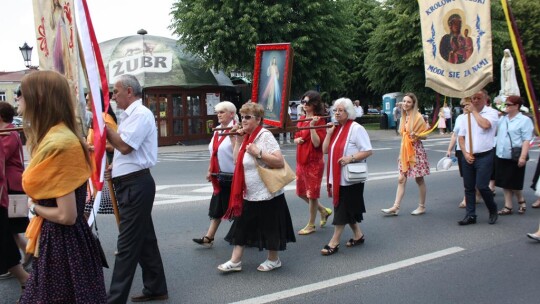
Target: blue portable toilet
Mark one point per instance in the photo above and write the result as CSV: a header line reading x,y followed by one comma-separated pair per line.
x,y
389,102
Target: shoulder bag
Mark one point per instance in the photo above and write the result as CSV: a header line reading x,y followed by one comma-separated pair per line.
x,y
18,203
276,179
515,151
356,172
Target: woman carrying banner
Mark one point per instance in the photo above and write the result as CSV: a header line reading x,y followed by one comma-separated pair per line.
x,y
262,219
67,268
514,130
220,171
345,144
309,160
412,160
105,206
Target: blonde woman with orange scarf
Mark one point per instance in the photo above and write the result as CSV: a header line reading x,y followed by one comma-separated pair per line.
x,y
412,160
67,267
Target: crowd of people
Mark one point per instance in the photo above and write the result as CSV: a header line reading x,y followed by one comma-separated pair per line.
x,y
66,263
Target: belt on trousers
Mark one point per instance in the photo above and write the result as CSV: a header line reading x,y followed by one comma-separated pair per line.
x,y
130,176
482,153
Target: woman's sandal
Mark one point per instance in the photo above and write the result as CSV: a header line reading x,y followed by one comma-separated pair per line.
x,y
269,265
353,242
536,204
462,204
327,250
324,218
309,229
205,241
505,211
522,207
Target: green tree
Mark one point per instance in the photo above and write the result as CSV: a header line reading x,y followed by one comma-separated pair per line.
x,y
364,18
225,33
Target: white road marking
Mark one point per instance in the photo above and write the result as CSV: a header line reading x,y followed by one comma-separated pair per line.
x,y
351,277
202,192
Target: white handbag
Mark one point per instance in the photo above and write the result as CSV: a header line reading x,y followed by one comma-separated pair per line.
x,y
356,172
18,205
537,192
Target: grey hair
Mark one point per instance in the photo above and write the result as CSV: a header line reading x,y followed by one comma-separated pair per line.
x,y
348,105
130,81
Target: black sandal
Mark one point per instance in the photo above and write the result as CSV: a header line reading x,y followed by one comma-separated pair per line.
x,y
353,242
505,211
522,207
327,250
201,241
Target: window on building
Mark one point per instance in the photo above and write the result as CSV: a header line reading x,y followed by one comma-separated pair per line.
x,y
2,96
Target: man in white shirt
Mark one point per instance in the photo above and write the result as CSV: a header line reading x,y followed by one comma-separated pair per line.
x,y
359,111
396,113
135,153
478,163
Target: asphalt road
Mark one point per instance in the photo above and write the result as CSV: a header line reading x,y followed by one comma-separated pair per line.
x,y
405,259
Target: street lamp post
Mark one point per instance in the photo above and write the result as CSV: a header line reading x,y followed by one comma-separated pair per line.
x,y
26,52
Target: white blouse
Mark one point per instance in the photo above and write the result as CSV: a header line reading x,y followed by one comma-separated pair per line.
x,y
225,152
255,188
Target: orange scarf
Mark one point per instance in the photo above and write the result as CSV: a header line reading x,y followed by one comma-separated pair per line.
x,y
407,153
58,167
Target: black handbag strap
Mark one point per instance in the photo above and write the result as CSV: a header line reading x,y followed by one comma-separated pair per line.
x,y
508,133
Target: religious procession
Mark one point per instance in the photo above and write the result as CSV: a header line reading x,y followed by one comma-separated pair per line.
x,y
83,206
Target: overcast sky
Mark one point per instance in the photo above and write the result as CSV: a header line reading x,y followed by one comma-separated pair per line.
x,y
111,19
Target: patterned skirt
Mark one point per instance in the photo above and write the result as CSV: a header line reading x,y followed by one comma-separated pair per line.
x,y
106,202
421,168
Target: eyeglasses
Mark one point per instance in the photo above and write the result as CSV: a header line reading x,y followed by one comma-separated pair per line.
x,y
247,117
304,101
220,112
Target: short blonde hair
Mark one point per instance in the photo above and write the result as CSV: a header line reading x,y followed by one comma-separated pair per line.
x,y
225,106
252,108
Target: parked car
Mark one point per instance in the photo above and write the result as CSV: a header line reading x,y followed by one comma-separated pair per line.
x,y
373,111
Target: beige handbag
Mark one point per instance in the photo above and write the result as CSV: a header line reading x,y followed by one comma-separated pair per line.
x,y
18,205
276,179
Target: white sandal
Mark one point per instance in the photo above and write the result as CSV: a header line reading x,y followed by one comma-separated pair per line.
x,y
230,266
269,265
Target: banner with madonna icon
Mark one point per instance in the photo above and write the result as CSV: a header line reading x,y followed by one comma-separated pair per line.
x,y
456,39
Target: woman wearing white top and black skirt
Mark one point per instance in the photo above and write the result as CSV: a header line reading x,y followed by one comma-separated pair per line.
x,y
220,171
261,218
346,143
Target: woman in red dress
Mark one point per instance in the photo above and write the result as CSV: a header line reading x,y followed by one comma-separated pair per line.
x,y
309,160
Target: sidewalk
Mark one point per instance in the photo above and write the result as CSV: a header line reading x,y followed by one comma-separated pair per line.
x,y
373,135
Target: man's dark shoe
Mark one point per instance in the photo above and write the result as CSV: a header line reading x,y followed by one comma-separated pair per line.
x,y
468,220
493,218
146,298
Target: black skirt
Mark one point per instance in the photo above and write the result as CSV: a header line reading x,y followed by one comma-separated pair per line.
x,y
508,175
220,202
263,224
351,205
9,252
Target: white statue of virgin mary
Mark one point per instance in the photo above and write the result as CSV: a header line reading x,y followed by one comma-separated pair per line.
x,y
509,84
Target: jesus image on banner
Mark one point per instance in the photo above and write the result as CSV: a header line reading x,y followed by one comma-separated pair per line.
x,y
455,47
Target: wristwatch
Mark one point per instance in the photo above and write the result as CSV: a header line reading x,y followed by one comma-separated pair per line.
x,y
352,159
32,209
259,156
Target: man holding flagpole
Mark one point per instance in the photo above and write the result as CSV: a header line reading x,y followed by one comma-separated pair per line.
x,y
135,153
476,140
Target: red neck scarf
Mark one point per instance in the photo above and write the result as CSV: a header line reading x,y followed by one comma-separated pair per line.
x,y
238,183
333,156
214,163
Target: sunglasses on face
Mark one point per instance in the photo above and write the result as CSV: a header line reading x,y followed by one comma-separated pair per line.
x,y
247,117
304,101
